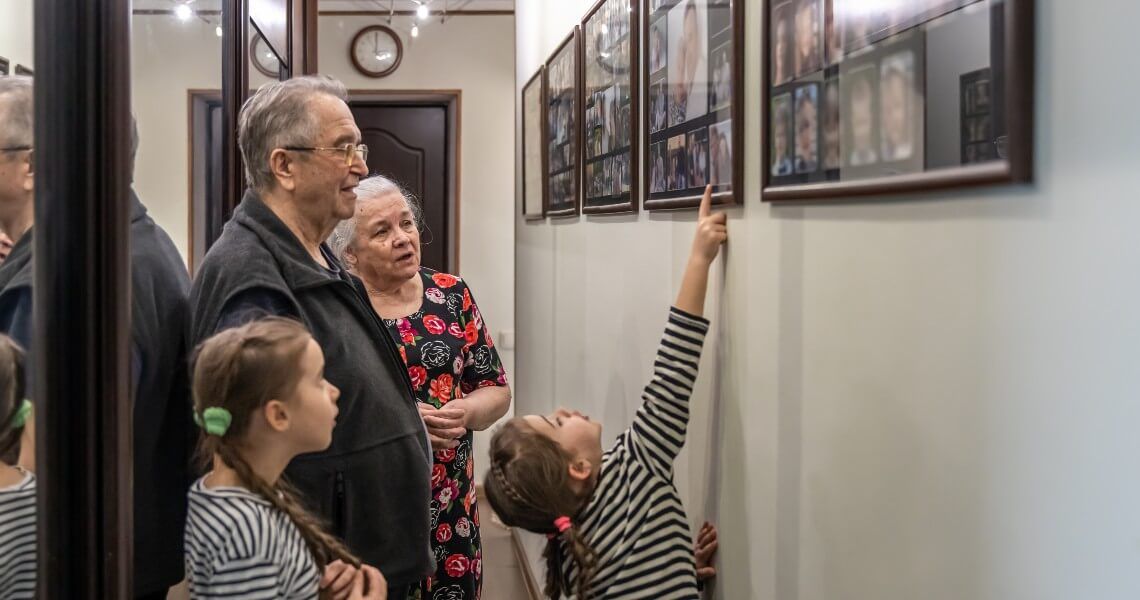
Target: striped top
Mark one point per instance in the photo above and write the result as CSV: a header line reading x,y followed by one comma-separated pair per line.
x,y
18,539
239,546
634,520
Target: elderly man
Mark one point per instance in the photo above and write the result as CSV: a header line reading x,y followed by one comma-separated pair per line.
x,y
303,160
159,288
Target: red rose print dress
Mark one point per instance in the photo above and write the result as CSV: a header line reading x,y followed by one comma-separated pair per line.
x,y
449,354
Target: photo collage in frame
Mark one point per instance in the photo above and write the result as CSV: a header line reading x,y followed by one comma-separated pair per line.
x,y
562,134
532,103
609,114
690,100
846,94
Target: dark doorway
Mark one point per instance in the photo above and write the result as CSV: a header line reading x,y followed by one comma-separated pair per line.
x,y
207,211
411,140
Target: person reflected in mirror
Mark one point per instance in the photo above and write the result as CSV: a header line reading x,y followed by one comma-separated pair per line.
x,y
457,377
17,483
609,514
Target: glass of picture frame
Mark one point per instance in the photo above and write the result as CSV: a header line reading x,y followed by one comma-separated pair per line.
x,y
610,46
870,98
533,147
563,136
694,95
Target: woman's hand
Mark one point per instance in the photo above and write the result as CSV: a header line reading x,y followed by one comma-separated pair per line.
x,y
712,230
445,426
704,549
337,580
369,584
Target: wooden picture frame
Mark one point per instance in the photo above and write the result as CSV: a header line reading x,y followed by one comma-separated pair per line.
x,y
609,97
533,102
562,81
678,135
881,51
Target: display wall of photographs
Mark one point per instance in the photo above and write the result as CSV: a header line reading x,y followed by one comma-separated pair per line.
x,y
563,136
846,86
693,77
533,148
610,46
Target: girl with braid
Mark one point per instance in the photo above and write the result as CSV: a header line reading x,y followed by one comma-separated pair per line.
x,y
614,520
261,398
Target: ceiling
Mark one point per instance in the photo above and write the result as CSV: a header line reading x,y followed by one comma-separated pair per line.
x,y
338,5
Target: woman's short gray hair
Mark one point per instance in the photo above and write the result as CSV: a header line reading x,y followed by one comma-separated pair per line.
x,y
377,186
278,115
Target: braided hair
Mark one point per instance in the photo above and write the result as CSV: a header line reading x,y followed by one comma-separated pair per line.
x,y
240,370
529,487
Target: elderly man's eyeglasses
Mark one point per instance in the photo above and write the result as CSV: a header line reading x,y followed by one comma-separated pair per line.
x,y
15,148
350,152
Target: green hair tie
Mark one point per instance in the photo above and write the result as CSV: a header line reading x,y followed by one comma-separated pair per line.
x,y
21,417
215,420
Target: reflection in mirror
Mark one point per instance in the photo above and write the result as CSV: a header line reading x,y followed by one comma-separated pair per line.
x,y
175,90
17,201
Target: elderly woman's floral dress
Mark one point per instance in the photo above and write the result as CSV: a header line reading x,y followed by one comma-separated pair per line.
x,y
449,354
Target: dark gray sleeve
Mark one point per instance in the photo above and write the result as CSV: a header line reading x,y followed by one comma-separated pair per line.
x,y
253,304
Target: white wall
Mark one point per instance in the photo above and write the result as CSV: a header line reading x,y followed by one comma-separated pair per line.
x,y
473,54
17,43
168,59
925,397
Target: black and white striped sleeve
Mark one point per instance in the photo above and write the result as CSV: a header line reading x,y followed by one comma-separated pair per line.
x,y
660,425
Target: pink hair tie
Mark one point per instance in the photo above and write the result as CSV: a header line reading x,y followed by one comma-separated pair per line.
x,y
562,523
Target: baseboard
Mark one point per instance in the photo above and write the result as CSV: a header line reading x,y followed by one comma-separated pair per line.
x,y
532,588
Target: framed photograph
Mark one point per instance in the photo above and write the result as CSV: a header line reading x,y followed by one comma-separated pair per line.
x,y
3,66
22,70
694,102
876,98
611,61
533,147
563,86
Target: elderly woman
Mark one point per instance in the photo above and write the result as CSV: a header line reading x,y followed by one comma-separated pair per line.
x,y
455,371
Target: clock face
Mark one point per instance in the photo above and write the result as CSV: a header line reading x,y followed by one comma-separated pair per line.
x,y
264,58
376,51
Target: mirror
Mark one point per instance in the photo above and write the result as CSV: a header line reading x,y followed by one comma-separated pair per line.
x,y
18,519
176,80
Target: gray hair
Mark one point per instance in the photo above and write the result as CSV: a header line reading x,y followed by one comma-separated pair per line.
x,y
377,186
16,111
278,115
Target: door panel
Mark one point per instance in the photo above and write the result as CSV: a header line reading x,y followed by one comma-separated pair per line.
x,y
409,144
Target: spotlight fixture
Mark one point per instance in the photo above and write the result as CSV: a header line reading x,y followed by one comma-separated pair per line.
x,y
422,12
183,12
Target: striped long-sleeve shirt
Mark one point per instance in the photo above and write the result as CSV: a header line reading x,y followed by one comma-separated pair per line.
x,y
239,546
18,539
634,520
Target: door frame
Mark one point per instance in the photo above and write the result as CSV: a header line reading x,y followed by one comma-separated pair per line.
x,y
452,102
